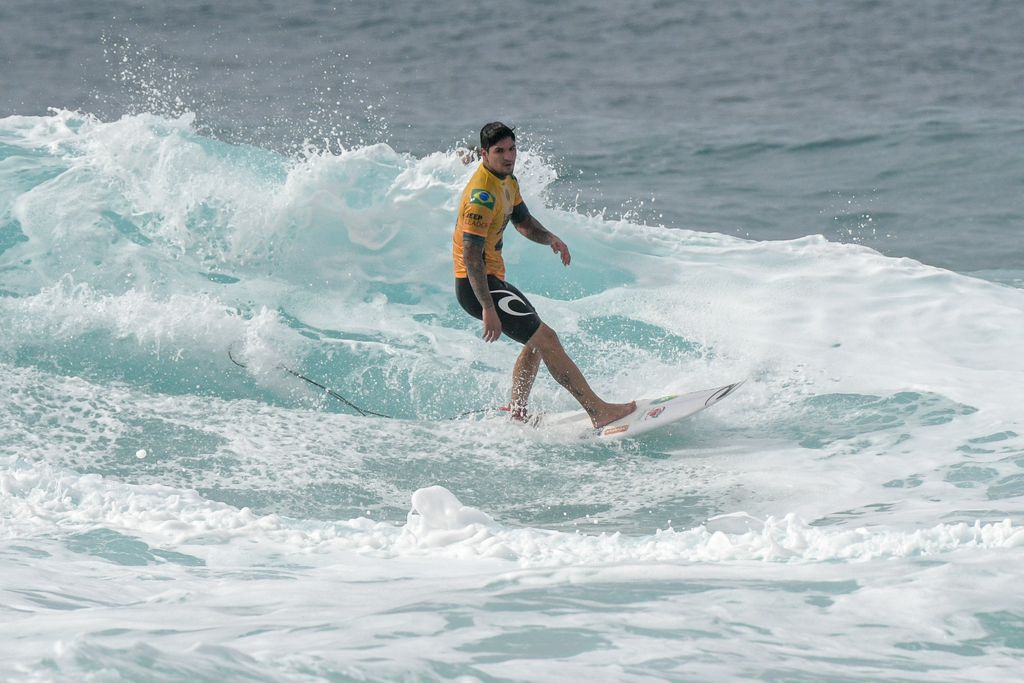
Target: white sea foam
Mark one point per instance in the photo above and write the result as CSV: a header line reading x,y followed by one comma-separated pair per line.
x,y
37,500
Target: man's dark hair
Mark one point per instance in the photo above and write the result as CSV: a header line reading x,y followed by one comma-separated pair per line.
x,y
494,133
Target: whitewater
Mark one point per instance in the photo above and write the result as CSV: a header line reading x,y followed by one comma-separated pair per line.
x,y
853,513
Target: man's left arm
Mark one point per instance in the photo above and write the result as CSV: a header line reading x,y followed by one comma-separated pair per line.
x,y
533,230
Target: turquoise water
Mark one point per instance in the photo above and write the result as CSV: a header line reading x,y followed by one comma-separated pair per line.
x,y
853,513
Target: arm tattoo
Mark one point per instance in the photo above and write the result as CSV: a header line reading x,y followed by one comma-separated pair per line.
x,y
476,269
520,212
532,230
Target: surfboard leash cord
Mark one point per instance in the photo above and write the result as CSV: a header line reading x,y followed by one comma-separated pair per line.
x,y
334,394
327,390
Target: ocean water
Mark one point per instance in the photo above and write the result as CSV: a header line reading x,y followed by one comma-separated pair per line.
x,y
824,199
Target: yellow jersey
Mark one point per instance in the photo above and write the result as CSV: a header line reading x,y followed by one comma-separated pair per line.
x,y
484,211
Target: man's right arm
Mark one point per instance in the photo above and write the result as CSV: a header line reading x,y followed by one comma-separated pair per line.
x,y
476,271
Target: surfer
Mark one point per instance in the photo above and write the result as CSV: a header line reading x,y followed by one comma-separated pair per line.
x,y
489,202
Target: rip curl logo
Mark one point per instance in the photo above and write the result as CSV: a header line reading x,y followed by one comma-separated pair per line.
x,y
505,302
481,197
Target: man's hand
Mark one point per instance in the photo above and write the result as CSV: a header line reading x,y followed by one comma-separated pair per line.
x,y
492,325
532,230
558,246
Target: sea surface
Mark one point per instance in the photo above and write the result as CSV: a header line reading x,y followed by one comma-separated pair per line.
x,y
199,200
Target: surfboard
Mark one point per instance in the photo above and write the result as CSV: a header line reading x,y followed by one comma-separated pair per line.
x,y
650,414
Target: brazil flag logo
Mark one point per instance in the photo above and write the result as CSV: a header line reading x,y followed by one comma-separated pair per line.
x,y
481,197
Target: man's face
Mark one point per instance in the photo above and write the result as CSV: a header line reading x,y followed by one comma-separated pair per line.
x,y
501,156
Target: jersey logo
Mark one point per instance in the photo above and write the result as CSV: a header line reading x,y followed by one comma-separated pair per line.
x,y
481,197
505,302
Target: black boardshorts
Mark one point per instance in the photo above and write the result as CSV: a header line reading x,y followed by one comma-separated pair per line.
x,y
518,318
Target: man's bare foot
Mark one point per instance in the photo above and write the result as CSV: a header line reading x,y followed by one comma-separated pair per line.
x,y
610,412
517,412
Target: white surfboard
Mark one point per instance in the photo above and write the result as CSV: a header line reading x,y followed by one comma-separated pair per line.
x,y
650,413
